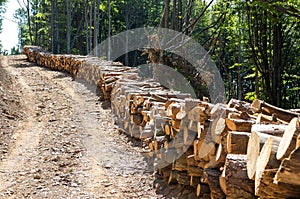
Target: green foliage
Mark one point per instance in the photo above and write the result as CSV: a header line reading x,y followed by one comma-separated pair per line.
x,y
15,50
255,44
250,96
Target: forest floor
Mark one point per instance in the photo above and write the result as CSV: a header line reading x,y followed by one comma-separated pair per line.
x,y
57,140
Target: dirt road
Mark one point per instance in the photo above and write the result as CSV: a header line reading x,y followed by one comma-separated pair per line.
x,y
65,144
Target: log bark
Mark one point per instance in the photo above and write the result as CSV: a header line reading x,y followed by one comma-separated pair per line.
x,y
197,114
298,142
261,106
271,129
237,142
202,190
221,154
268,119
289,139
240,105
234,180
212,179
289,170
180,164
268,189
239,125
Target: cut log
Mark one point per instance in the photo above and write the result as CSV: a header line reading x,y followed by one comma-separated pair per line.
x,y
240,105
255,145
197,114
271,129
268,119
268,189
242,115
173,101
266,160
205,149
167,129
202,190
298,142
188,136
183,178
261,106
181,164
172,178
217,128
181,115
289,170
213,163
176,124
211,177
237,142
253,149
288,139
221,154
235,181
195,171
239,125
172,110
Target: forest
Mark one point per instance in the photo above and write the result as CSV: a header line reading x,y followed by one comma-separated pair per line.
x,y
254,43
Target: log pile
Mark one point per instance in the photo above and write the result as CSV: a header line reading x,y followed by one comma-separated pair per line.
x,y
92,70
234,150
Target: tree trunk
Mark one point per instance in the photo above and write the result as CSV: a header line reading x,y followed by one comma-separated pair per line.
x,y
57,30
128,24
68,26
166,14
90,29
188,15
96,27
86,16
36,28
277,64
174,15
109,30
53,7
29,20
239,77
257,93
180,17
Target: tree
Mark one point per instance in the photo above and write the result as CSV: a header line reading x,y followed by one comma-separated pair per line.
x,y
267,36
109,29
2,10
15,50
255,44
68,8
96,25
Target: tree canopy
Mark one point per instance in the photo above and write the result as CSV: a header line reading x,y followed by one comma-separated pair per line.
x,y
255,43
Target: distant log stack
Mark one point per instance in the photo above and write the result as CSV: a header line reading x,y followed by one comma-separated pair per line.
x,y
234,150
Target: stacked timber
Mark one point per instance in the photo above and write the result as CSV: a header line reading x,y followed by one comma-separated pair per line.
x,y
92,70
234,150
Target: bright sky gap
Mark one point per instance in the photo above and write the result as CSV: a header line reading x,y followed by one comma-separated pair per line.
x,y
9,34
